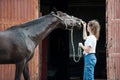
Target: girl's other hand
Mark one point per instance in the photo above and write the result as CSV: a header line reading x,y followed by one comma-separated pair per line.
x,y
80,44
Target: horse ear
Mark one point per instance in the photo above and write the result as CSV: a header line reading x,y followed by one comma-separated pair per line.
x,y
60,13
54,10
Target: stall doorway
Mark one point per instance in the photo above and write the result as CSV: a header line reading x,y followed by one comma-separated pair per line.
x,y
60,65
58,55
87,10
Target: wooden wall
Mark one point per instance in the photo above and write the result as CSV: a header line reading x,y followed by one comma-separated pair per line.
x,y
14,12
113,39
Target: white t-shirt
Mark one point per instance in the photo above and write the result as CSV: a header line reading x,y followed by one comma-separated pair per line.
x,y
90,41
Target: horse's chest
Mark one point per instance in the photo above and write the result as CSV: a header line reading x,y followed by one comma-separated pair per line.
x,y
30,46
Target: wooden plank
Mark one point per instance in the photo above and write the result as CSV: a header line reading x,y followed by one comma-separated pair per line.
x,y
113,39
13,12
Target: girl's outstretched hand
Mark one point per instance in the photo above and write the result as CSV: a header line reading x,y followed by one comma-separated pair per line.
x,y
84,23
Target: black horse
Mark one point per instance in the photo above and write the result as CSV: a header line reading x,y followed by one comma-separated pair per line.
x,y
17,44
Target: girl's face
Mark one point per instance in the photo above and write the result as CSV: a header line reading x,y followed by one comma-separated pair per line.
x,y
88,29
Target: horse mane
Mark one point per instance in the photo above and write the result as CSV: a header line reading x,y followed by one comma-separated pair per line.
x,y
25,24
28,23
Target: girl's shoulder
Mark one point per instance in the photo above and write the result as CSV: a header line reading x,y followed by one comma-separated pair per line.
x,y
91,37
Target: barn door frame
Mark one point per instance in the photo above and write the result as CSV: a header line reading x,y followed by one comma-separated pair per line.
x,y
113,40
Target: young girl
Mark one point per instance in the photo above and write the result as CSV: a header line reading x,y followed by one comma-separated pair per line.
x,y
89,48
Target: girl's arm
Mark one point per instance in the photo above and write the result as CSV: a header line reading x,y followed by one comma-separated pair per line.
x,y
86,49
84,30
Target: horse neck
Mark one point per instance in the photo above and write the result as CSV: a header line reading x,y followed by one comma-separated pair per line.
x,y
41,28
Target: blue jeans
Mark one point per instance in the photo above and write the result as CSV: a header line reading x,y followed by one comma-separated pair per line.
x,y
89,64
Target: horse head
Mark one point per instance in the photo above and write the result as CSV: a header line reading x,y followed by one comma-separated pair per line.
x,y
69,21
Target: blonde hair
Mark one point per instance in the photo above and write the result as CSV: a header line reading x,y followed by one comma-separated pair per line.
x,y
95,28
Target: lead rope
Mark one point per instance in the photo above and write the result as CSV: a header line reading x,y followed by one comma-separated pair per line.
x,y
72,43
73,49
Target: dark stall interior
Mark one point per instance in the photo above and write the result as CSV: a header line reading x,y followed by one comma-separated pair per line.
x,y
59,58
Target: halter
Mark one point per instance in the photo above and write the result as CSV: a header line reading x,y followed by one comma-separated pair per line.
x,y
73,21
79,54
65,21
